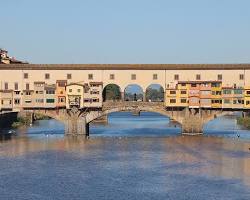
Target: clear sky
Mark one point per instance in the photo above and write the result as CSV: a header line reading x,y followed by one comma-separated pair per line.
x,y
126,31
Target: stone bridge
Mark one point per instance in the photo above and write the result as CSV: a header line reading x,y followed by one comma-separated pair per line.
x,y
77,121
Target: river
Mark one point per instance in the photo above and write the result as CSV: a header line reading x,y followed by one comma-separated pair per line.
x,y
131,157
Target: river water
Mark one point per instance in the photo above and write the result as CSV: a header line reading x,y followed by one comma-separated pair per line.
x,y
131,157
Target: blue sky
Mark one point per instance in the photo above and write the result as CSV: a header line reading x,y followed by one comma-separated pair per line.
x,y
126,31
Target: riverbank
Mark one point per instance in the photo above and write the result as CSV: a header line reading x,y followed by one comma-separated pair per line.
x,y
244,121
24,121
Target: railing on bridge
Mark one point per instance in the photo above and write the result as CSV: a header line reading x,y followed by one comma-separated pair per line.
x,y
107,105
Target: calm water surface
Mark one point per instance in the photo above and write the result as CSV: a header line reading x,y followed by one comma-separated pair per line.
x,y
130,158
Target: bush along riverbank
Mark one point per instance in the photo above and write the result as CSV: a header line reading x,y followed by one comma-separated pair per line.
x,y
26,120
21,121
244,121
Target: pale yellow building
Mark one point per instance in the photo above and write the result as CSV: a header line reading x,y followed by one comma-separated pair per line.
x,y
74,95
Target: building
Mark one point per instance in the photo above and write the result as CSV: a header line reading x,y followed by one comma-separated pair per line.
x,y
50,95
74,95
93,95
61,93
247,97
6,97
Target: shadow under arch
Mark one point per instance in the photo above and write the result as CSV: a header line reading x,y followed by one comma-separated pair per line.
x,y
154,93
112,92
134,92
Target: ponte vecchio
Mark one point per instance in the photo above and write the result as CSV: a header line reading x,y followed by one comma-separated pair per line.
x,y
73,93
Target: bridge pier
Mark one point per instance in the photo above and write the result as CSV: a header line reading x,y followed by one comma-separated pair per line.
x,y
76,127
192,122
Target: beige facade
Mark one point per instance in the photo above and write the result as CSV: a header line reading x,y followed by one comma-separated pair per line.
x,y
74,96
168,76
93,95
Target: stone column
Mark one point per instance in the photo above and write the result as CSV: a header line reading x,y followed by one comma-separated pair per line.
x,y
76,126
144,96
122,96
192,123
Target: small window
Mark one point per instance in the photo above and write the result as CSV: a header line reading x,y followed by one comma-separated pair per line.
x,y
183,100
172,100
111,76
16,101
50,100
155,77
78,90
90,76
16,86
27,86
6,86
47,76
183,92
241,76
133,76
198,77
25,75
70,90
172,92
176,77
219,77
69,76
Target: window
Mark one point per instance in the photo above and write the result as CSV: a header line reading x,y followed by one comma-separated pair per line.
x,y
198,77
27,86
227,101
78,90
155,77
183,84
247,102
241,76
90,76
176,77
50,91
172,92
39,100
172,100
61,84
47,76
27,93
25,75
133,76
219,77
16,101
183,100
111,76
248,92
193,85
6,86
69,76
16,86
27,101
50,100
70,90
228,91
238,91
183,92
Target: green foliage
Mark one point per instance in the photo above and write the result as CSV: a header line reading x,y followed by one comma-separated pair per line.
x,y
155,94
21,121
244,122
112,92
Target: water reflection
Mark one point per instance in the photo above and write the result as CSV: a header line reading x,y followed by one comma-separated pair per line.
x,y
133,168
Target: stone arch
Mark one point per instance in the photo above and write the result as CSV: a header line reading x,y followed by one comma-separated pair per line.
x,y
134,92
155,93
114,92
95,115
216,114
